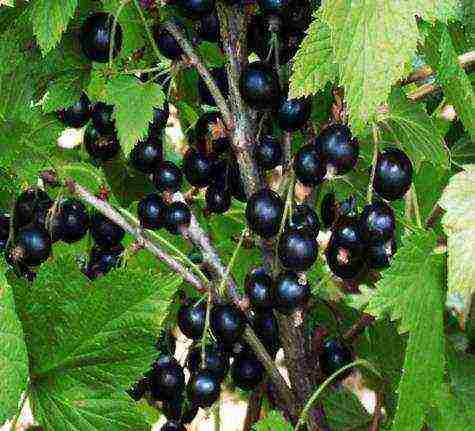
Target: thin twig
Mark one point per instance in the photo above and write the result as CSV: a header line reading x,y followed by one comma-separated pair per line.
x,y
369,195
254,405
378,413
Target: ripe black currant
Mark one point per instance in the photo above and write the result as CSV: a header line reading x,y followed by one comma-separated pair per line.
x,y
78,114
203,389
147,154
377,222
264,212
380,253
393,175
172,409
199,168
151,211
96,37
346,233
247,372
216,361
275,7
102,118
160,119
220,77
338,148
294,113
309,167
268,152
29,205
196,8
299,15
329,210
305,217
344,261
105,232
208,27
4,230
191,320
267,329
227,323
335,355
210,135
167,380
31,246
290,292
259,86
177,216
99,146
298,249
218,199
172,425
259,289
101,261
71,221
167,177
166,44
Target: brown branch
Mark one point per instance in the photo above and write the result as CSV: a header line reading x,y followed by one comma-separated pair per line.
x,y
107,210
254,405
378,413
423,91
359,326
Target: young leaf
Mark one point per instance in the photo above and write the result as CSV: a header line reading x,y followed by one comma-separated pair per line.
x,y
274,421
13,355
468,9
411,291
50,19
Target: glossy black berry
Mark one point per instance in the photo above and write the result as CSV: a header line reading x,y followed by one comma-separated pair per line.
x,y
305,217
309,167
199,168
139,389
99,146
167,380
105,232
227,323
208,27
259,289
247,372
4,230
72,221
344,261
172,409
177,216
216,361
290,292
172,425
338,148
294,113
335,355
167,177
29,204
31,246
203,389
268,152
96,37
264,212
196,8
152,212
191,320
220,77
102,118
346,233
210,134
298,249
259,86
267,329
218,199
299,15
275,7
160,119
78,114
147,155
379,254
393,175
377,222
166,44
101,261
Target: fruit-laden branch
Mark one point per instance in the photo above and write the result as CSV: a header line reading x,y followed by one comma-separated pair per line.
x,y
202,70
107,210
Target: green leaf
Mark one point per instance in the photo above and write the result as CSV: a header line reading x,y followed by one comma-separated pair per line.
x,y
411,291
463,151
274,421
313,64
372,42
133,107
407,123
13,355
50,19
468,9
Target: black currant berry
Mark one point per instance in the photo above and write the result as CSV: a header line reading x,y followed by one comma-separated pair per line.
x,y
172,425
305,217
177,216
298,249
346,233
264,212
294,113
167,380
259,289
309,167
216,361
196,8
191,320
259,86
138,390
329,210
275,7
167,177
147,155
172,409
247,372
338,148
208,27
299,15
393,175
344,261
220,77
379,254
29,205
4,230
218,199
78,114
99,146
101,261
160,119
102,118
268,152
210,135
152,211
203,389
199,168
290,292
335,355
31,246
166,44
267,329
227,323
96,37
71,221
377,222
105,232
